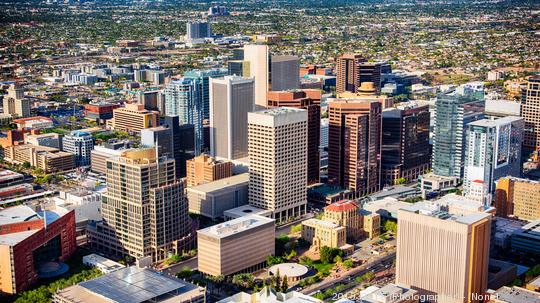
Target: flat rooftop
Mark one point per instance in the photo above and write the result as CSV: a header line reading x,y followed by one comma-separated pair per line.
x,y
131,285
235,226
221,183
16,214
435,211
531,230
516,294
496,122
15,238
279,111
322,223
245,210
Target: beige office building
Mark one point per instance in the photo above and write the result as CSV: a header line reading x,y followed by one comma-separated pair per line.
x,y
99,156
48,159
258,57
519,198
277,147
443,254
144,210
204,169
239,245
133,118
15,104
231,99
346,213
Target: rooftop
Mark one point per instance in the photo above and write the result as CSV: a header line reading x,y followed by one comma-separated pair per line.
x,y
433,210
291,270
279,111
129,285
15,238
6,174
496,122
516,294
342,206
245,210
321,223
221,183
267,295
16,214
389,293
235,226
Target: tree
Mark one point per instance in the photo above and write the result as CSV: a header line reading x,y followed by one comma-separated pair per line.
x,y
284,284
401,181
348,263
244,280
273,260
328,254
390,226
184,273
26,165
296,228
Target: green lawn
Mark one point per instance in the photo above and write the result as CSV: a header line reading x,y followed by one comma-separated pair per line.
x,y
322,267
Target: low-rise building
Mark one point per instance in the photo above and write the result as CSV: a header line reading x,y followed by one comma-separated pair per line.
x,y
239,245
527,238
268,295
431,182
53,140
29,240
347,214
104,265
9,178
514,294
321,233
46,158
214,198
391,293
37,122
132,284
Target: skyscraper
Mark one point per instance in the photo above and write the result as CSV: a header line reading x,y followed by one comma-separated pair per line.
x,y
493,151
231,99
348,72
198,30
310,100
81,145
284,73
443,254
257,57
277,147
530,107
371,72
144,209
354,147
173,140
405,142
203,77
454,110
15,104
183,98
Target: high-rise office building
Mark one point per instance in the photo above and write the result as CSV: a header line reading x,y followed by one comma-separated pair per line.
x,y
203,77
150,99
442,254
354,145
144,209
257,56
133,118
277,146
173,140
231,99
183,98
530,107
493,151
204,169
284,73
371,72
81,145
310,100
454,110
348,72
15,104
518,198
238,68
405,142
198,30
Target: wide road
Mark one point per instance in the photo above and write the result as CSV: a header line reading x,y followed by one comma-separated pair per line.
x,y
357,271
